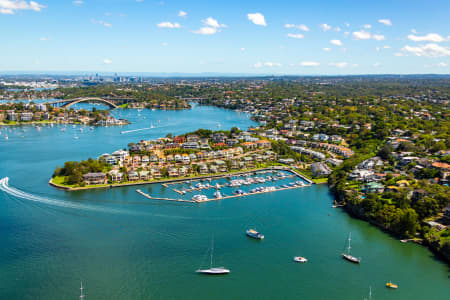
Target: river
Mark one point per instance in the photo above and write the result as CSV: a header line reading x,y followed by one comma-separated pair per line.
x,y
124,246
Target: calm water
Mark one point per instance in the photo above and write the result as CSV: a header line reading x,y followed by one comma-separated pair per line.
x,y
124,246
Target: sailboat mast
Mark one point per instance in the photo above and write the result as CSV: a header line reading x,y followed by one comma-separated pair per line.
x,y
81,289
349,240
212,251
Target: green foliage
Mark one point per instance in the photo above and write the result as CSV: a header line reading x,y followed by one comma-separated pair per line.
x,y
74,171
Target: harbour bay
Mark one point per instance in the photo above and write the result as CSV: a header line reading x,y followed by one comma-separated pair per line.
x,y
134,248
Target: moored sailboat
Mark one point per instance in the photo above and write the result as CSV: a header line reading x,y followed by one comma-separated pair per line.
x,y
346,255
213,270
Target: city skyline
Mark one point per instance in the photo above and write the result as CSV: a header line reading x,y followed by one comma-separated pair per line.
x,y
324,38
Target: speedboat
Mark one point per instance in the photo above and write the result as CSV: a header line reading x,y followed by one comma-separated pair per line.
x,y
300,259
254,234
391,285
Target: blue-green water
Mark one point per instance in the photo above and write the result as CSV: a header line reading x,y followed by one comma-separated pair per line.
x,y
124,246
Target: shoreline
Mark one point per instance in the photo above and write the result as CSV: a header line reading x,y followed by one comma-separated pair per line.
x,y
163,181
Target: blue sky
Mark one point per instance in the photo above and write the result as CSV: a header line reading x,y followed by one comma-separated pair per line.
x,y
261,37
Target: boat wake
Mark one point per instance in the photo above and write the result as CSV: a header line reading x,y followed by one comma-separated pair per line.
x,y
5,187
141,129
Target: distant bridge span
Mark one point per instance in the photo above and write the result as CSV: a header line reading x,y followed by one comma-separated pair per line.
x,y
69,102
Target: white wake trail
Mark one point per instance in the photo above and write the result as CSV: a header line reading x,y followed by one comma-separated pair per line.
x,y
5,187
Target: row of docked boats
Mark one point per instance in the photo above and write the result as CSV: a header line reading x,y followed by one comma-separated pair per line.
x,y
261,189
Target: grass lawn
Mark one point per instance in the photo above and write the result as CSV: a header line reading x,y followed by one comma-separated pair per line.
x,y
320,180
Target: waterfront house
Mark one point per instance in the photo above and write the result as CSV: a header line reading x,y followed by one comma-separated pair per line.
x,y
156,173
144,175
94,178
320,169
133,176
221,165
173,172
26,116
116,176
182,171
202,169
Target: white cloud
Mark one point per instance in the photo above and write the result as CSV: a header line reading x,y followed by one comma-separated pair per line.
x,y
257,19
367,26
325,27
339,64
107,61
376,65
243,49
347,24
106,24
44,39
211,26
378,37
414,31
168,25
428,50
336,42
211,22
386,22
326,49
338,29
9,7
182,13
438,65
77,2
431,37
295,36
386,47
309,64
301,26
164,44
206,30
266,64
361,35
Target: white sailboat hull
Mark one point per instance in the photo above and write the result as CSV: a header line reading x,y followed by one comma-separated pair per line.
x,y
214,271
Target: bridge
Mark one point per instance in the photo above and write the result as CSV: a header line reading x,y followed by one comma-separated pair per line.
x,y
66,103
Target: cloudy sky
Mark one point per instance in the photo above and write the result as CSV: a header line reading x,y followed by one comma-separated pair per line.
x,y
276,37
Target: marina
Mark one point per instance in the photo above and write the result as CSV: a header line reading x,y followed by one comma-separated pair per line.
x,y
229,184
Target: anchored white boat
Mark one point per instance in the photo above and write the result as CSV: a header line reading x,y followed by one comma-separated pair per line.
x,y
300,259
213,270
347,256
